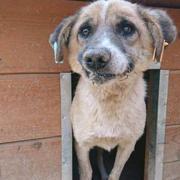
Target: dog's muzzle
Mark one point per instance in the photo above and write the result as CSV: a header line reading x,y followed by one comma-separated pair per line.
x,y
96,59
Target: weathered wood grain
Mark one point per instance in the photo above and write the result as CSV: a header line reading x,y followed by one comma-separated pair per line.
x,y
171,58
31,160
66,138
173,113
151,125
161,123
172,145
172,152
171,171
25,27
29,107
173,134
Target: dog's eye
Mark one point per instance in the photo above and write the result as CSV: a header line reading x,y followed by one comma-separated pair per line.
x,y
125,28
85,31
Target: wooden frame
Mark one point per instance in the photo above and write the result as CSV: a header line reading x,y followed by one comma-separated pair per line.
x,y
156,119
65,91
161,123
156,122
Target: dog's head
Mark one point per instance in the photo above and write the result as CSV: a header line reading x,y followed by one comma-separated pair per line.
x,y
108,39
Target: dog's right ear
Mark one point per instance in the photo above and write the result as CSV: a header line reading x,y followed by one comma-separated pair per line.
x,y
160,27
59,39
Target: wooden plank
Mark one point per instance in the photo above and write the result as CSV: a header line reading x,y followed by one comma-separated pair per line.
x,y
30,107
172,145
31,160
161,123
173,134
66,98
172,152
151,127
25,27
156,117
172,53
171,171
173,115
162,106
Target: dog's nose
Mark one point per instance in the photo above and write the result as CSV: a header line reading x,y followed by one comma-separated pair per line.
x,y
96,59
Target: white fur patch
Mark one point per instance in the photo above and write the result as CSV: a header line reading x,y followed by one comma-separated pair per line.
x,y
104,10
119,61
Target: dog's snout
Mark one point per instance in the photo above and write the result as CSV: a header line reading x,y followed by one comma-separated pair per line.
x,y
96,59
95,62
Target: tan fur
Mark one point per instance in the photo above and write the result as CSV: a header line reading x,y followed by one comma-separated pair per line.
x,y
109,116
115,8
113,113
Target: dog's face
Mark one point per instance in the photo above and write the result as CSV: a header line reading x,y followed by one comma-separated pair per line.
x,y
109,39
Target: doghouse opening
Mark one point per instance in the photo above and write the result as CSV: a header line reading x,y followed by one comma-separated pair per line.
x,y
134,168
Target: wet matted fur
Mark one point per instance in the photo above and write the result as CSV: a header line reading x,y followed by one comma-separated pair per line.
x,y
110,44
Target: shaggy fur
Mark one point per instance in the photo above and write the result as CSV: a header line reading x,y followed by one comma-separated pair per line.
x,y
108,109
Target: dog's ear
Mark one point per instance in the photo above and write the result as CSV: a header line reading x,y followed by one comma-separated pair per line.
x,y
160,26
59,39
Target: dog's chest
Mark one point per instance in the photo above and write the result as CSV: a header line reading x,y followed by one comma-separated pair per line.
x,y
109,123
117,120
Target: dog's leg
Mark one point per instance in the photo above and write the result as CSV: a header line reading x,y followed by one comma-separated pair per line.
x,y
101,166
121,157
85,170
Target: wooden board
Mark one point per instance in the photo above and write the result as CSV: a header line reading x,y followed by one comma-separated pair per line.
x,y
173,113
173,134
25,27
171,171
29,107
151,124
172,144
171,58
31,160
24,31
172,152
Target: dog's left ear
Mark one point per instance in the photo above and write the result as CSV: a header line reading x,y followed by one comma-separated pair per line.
x,y
160,26
59,39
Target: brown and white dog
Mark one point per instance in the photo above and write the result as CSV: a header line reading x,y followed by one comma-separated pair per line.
x,y
110,44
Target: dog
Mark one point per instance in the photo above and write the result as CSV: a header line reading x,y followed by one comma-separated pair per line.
x,y
110,44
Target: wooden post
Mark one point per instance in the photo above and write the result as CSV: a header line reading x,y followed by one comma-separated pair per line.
x,y
156,119
161,123
65,82
152,106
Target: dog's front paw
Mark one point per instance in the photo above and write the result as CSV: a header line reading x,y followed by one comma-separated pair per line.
x,y
113,177
87,176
